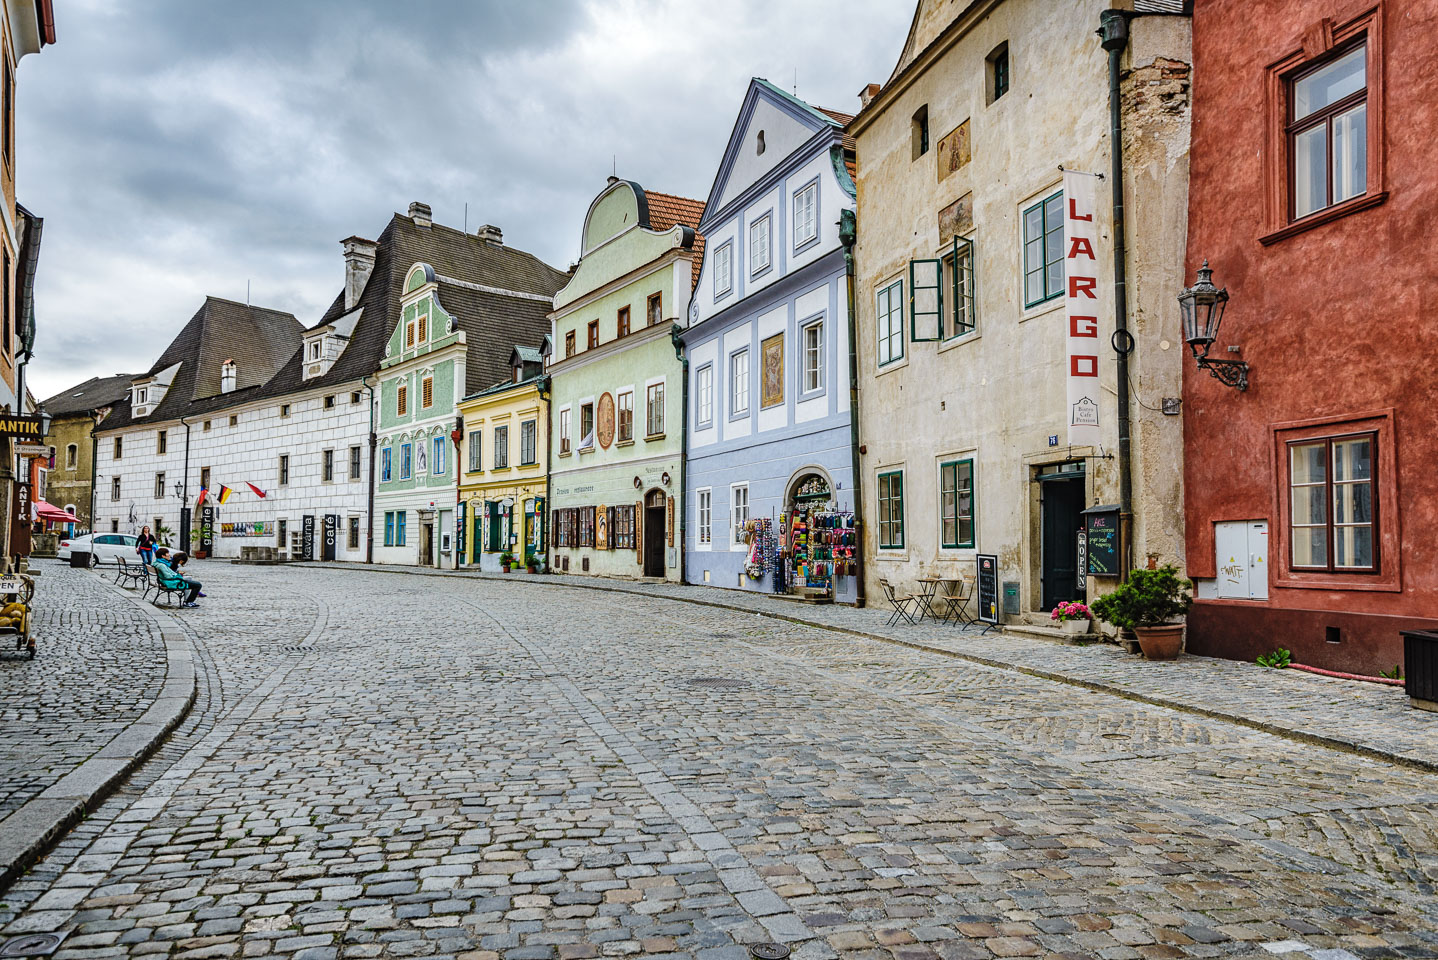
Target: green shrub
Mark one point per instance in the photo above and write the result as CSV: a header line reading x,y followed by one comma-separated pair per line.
x,y
1278,659
1149,598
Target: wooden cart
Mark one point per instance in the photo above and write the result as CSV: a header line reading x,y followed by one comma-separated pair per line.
x,y
16,592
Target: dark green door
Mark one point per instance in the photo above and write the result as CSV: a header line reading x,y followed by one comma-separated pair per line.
x,y
1062,503
493,509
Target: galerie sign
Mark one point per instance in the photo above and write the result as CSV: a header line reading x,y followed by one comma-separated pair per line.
x,y
1081,309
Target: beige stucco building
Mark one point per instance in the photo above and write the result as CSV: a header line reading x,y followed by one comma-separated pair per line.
x,y
964,415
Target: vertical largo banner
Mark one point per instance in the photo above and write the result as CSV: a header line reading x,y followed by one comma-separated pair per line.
x,y
1081,309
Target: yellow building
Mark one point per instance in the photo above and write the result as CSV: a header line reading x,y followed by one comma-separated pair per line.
x,y
505,466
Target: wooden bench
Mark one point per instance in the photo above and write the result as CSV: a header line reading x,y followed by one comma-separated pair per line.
x,y
171,588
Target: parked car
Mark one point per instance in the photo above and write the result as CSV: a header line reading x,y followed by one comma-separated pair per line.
x,y
102,547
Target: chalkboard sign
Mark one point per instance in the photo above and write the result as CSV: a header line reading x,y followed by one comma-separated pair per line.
x,y
1101,530
988,587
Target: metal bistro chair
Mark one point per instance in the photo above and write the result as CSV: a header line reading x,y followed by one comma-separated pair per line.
x,y
903,605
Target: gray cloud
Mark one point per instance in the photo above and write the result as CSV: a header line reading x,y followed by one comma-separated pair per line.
x,y
178,149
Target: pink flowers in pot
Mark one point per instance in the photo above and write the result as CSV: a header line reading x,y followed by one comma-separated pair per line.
x,y
1071,610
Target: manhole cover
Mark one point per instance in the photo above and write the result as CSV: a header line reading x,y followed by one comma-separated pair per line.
x,y
297,648
769,951
1116,736
721,683
33,944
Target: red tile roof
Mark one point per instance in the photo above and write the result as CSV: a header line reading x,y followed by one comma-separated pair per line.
x,y
666,210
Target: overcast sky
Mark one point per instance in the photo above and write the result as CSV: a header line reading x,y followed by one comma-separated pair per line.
x,y
179,148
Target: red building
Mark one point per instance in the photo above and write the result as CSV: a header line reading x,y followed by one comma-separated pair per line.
x,y
1312,495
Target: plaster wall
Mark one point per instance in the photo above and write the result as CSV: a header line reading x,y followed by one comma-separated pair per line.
x,y
998,394
523,483
68,485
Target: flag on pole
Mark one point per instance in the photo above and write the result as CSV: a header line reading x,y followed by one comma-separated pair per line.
x,y
258,492
224,493
204,492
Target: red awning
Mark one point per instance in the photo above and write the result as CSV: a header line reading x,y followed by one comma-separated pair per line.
x,y
44,511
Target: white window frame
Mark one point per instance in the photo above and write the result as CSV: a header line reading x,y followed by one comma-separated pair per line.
x,y
649,406
757,267
724,269
704,396
816,371
619,432
738,517
438,458
564,444
704,513
894,318
739,383
806,224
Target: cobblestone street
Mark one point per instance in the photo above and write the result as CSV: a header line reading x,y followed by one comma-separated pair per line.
x,y
384,765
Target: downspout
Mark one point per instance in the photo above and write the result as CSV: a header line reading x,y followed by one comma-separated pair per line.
x,y
544,522
94,458
1113,28
369,509
848,235
676,335
185,494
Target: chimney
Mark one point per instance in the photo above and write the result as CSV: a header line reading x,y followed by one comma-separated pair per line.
x,y
490,233
613,180
867,95
359,264
420,214
228,375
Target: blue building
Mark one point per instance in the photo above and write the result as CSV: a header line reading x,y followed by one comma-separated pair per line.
x,y
769,477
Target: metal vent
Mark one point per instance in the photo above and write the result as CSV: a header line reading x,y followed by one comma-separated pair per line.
x,y
1162,6
718,683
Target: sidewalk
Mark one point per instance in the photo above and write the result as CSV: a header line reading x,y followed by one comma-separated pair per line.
x,y
109,681
1369,719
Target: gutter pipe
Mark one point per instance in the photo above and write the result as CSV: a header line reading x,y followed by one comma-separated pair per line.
x,y
544,521
676,335
848,235
373,442
184,494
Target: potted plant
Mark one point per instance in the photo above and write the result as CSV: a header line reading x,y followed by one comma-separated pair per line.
x,y
531,563
506,561
1147,604
1073,618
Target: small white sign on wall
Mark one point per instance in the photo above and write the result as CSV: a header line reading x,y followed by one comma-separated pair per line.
x,y
1242,559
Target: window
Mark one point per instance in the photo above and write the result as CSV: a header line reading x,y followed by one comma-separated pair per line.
x,y
283,533
406,461
926,299
354,396
654,422
284,409
284,469
813,337
426,395
439,447
501,447
724,269
330,402
997,70
1044,250
114,526
1328,132
354,463
401,400
759,252
738,513
624,413
159,486
409,335
919,132
655,308
421,325
564,431
119,446
759,144
806,215
141,395
705,510
569,344
399,518
204,478
622,330
739,383
956,503
704,395
586,426
161,441
1334,502
115,488
314,349
327,466
393,529
891,510
959,281
385,459
586,526
476,448
354,533
621,530
234,419
527,432
205,426
72,456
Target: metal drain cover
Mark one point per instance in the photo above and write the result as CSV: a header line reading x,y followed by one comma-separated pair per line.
x,y
769,951
33,944
721,683
1116,736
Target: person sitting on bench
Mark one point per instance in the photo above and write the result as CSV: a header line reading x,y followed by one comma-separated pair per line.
x,y
177,563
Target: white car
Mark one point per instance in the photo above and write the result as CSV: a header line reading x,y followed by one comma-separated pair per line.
x,y
104,548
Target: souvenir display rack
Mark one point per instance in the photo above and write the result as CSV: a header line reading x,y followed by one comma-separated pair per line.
x,y
820,544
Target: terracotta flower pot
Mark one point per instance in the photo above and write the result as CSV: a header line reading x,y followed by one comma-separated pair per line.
x,y
1162,642
505,567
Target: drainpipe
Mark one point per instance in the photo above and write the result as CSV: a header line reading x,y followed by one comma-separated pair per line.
x,y
543,387
94,457
185,495
675,334
1113,28
848,234
373,442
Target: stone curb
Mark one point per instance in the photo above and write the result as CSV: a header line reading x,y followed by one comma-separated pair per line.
x,y
616,586
29,832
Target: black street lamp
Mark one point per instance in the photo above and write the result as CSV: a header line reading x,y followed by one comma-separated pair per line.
x,y
1202,306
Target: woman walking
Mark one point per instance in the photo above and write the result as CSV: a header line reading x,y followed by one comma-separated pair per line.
x,y
146,546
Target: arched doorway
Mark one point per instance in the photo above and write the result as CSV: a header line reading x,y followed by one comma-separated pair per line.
x,y
820,544
655,503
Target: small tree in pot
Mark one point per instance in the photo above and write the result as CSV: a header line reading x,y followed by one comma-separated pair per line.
x,y
531,563
1147,604
506,561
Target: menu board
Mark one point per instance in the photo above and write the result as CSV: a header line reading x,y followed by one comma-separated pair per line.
x,y
1101,529
988,587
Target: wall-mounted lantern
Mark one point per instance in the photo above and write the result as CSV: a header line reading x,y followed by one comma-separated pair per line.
x,y
1202,306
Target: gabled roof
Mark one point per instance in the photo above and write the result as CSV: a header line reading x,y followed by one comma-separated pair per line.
x,y
492,322
667,210
92,395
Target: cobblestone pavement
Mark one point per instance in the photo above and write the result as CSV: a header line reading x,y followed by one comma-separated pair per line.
x,y
99,666
380,765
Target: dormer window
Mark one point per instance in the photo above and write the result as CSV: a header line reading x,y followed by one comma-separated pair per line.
x,y
316,349
141,395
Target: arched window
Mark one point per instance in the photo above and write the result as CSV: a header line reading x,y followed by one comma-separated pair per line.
x,y
759,143
72,456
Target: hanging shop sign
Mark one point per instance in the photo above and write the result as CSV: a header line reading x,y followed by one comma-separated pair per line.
x,y
1103,534
207,528
331,533
307,543
20,521
1081,309
1081,577
988,565
22,428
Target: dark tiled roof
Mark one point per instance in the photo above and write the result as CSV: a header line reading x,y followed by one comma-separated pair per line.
x,y
492,323
93,394
842,119
666,210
